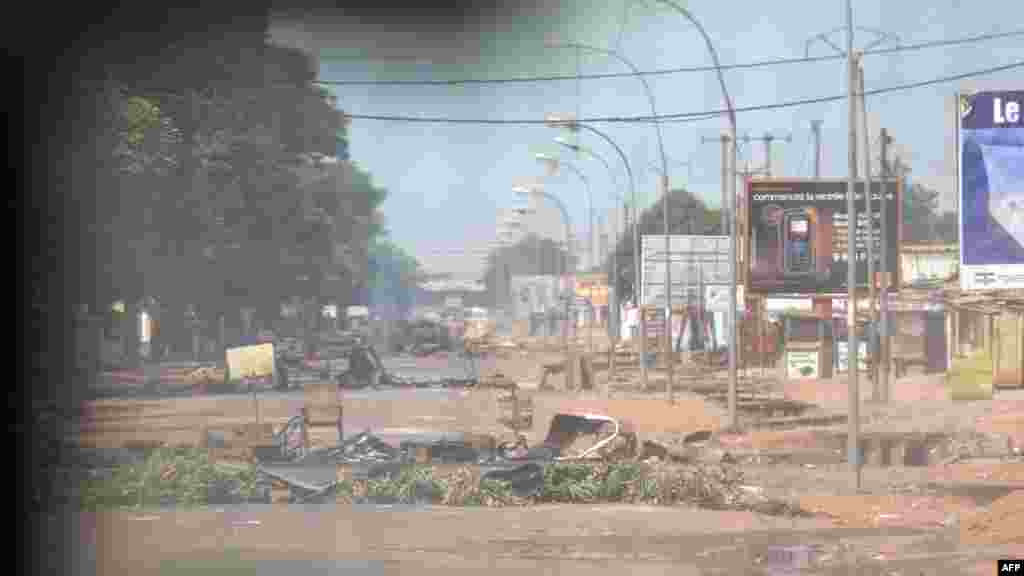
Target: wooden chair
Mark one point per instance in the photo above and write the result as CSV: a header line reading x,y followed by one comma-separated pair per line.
x,y
322,408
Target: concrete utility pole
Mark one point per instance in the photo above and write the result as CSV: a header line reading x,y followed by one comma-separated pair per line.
x,y
883,351
853,418
870,239
724,208
816,129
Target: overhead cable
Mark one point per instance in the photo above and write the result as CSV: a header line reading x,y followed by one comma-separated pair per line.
x,y
684,116
667,71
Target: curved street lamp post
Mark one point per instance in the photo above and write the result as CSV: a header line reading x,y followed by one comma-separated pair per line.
x,y
665,192
731,115
567,227
556,121
613,301
555,163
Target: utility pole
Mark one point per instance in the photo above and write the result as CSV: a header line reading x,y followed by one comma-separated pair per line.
x,y
870,232
883,351
723,210
822,306
669,350
816,129
853,434
853,418
767,139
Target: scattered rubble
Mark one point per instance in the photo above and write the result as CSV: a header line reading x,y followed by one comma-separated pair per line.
x,y
999,524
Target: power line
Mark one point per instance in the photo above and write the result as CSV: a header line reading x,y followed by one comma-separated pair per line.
x,y
685,116
666,71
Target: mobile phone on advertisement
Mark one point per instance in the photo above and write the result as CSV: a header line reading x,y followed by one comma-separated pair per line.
x,y
797,242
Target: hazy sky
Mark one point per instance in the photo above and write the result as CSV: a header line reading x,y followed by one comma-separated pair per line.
x,y
447,183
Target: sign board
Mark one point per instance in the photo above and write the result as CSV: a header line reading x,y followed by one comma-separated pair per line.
x,y
842,356
788,305
990,143
695,261
250,361
801,364
798,235
716,298
593,287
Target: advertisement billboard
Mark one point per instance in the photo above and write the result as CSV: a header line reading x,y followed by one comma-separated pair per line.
x,y
798,235
990,141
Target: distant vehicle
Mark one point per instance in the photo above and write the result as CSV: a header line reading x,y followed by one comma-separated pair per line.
x,y
357,317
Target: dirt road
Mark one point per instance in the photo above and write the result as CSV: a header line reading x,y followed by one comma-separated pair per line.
x,y
548,540
900,524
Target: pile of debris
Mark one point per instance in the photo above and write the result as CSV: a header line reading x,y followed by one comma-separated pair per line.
x,y
584,458
422,337
999,524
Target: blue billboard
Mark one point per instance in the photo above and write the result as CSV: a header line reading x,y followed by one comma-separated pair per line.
x,y
991,177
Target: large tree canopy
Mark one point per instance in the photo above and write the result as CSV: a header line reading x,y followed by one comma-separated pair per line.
x,y
531,255
923,221
688,215
212,158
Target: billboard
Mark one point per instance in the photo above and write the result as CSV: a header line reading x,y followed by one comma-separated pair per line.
x,y
593,287
696,261
798,235
716,298
250,361
990,142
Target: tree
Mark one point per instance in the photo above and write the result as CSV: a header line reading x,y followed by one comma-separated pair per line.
x,y
922,219
521,259
947,228
198,165
688,214
920,213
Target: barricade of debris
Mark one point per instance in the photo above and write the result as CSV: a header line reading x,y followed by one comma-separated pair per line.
x,y
584,458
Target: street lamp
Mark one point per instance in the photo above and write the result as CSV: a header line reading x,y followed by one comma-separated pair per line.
x,y
731,114
556,121
554,163
665,191
533,192
613,309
